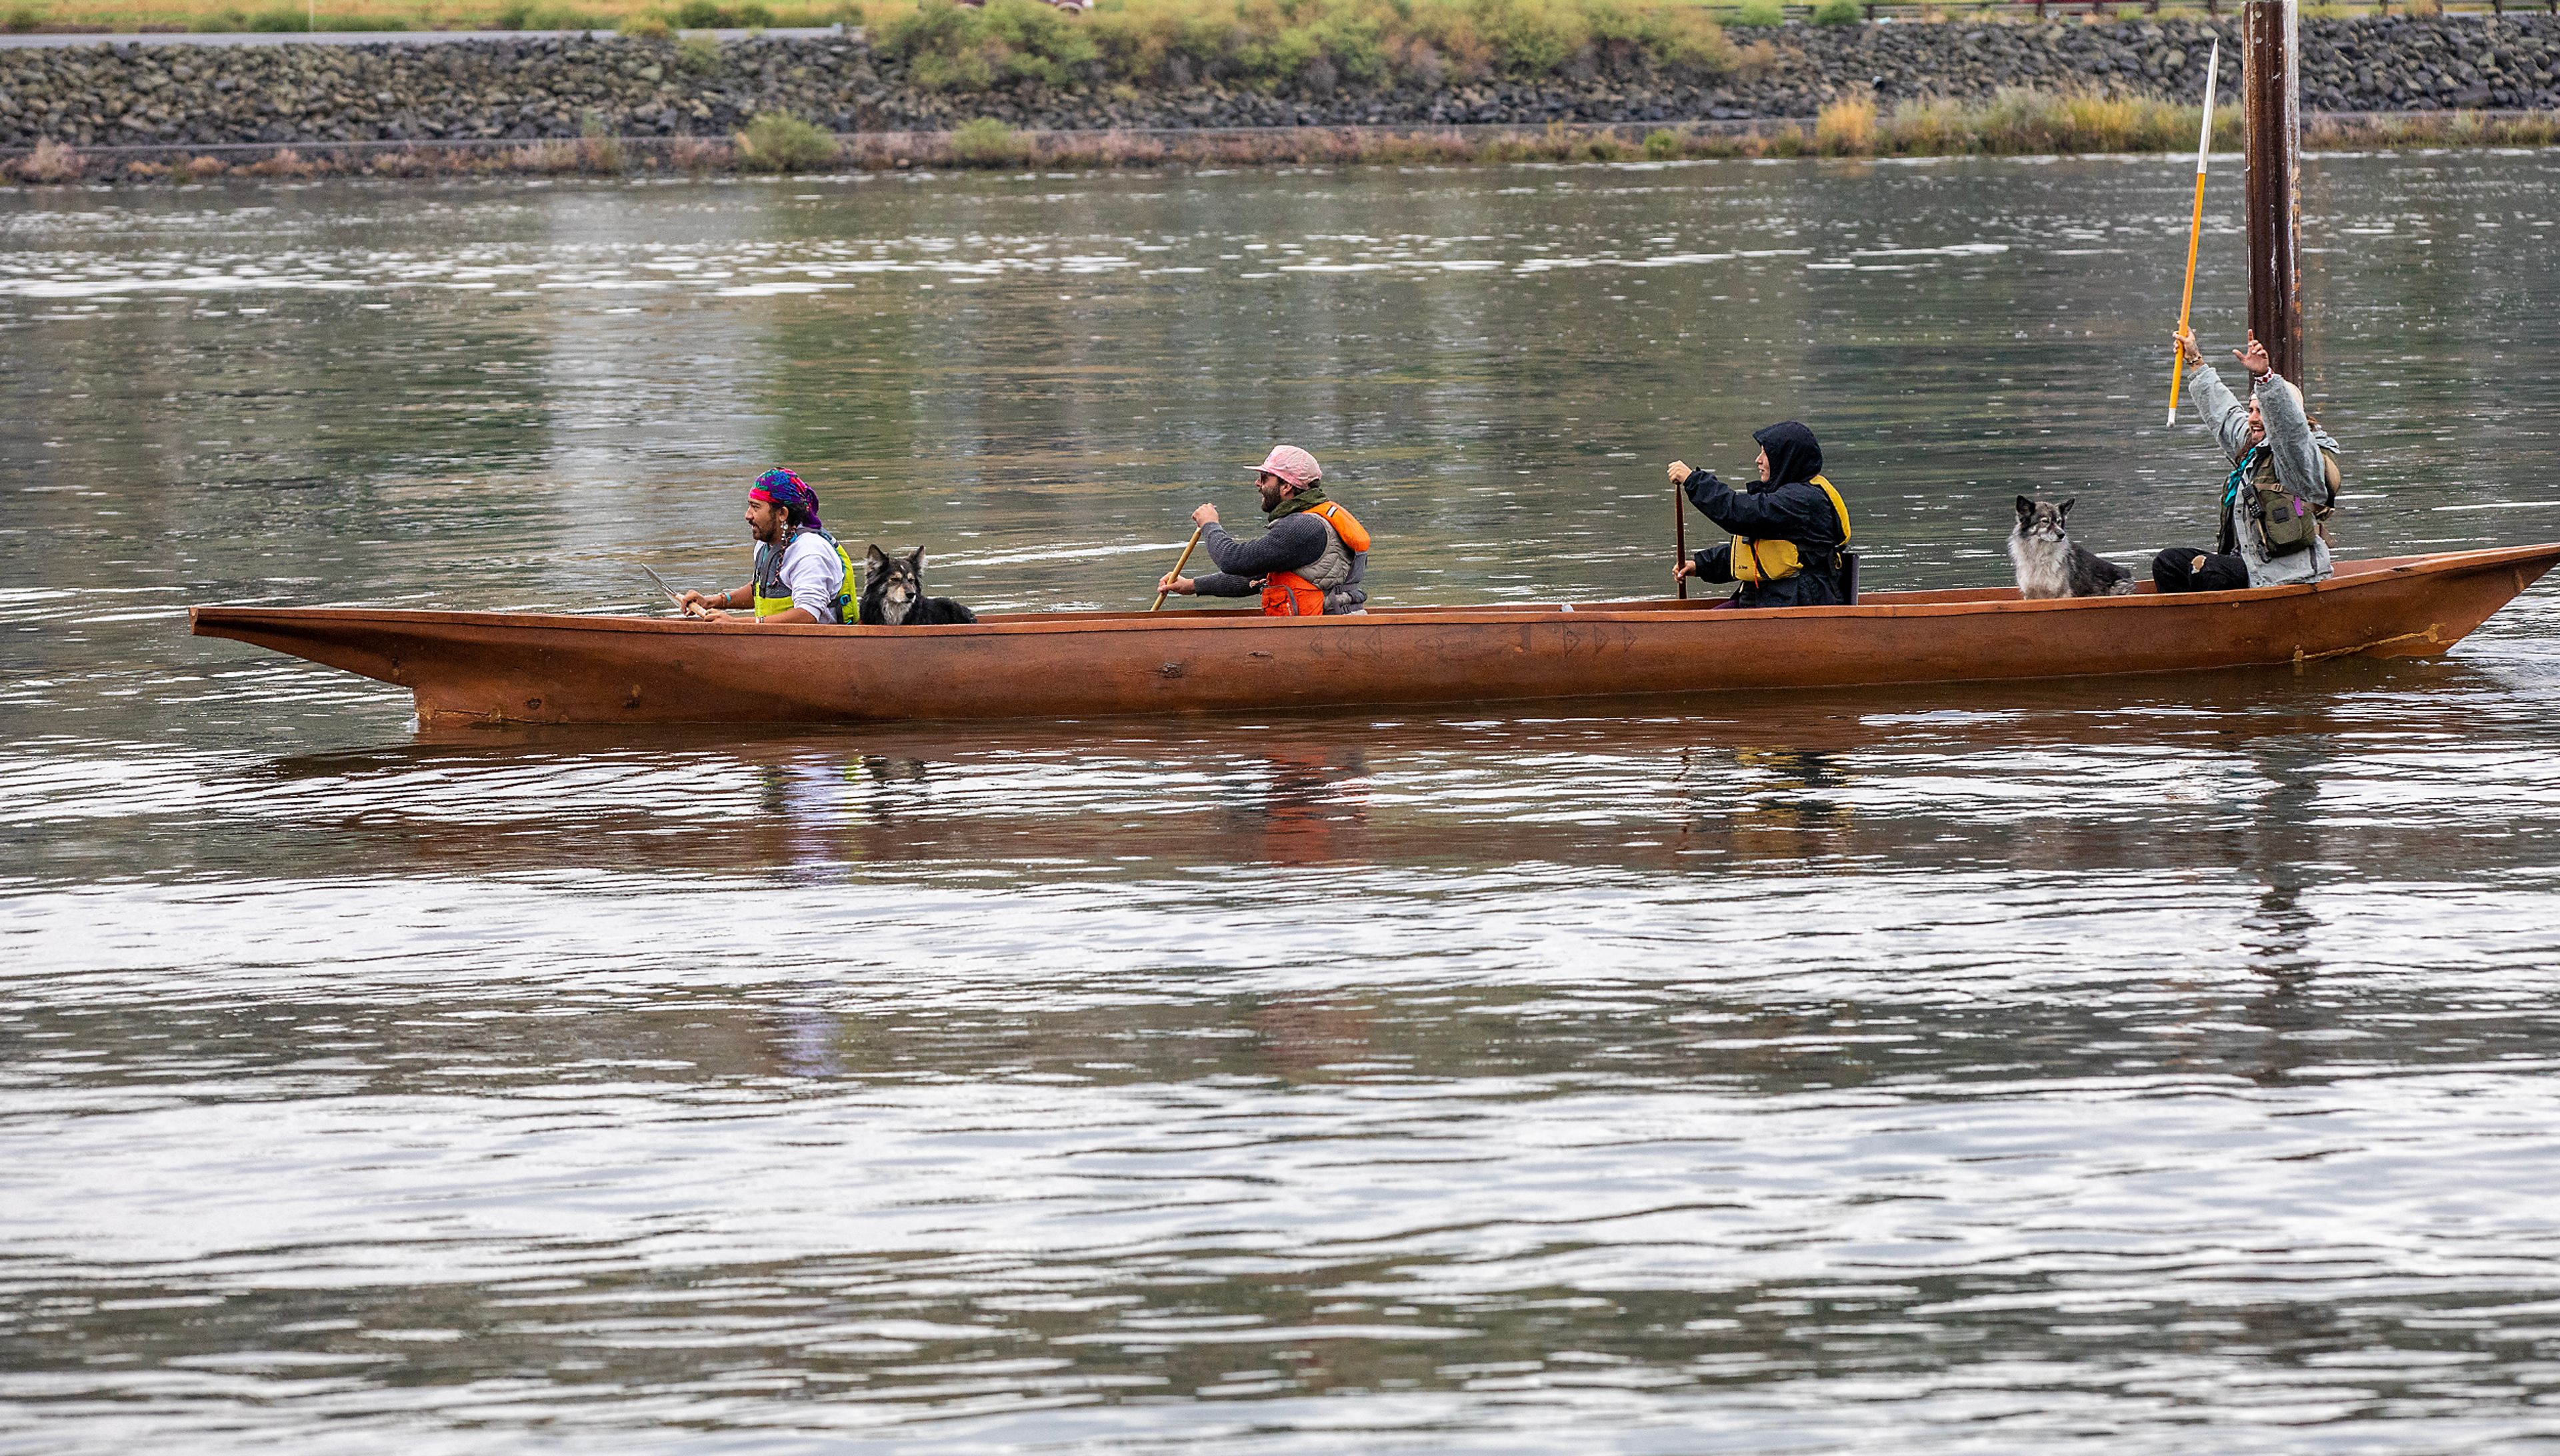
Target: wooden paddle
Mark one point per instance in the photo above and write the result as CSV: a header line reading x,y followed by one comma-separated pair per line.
x,y
2194,230
1679,533
672,593
1180,563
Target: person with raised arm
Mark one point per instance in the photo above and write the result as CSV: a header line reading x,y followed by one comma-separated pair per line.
x,y
2281,488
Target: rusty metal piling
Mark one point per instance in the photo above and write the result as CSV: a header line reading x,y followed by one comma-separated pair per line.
x,y
2270,104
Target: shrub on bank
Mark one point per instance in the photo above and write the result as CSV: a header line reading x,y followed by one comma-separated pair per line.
x,y
697,51
1838,12
778,142
50,161
2015,122
546,15
698,155
541,159
1931,127
709,15
949,47
278,19
988,142
1846,127
2019,121
1316,44
598,149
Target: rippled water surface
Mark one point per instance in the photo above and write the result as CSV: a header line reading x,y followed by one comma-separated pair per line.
x,y
2157,1064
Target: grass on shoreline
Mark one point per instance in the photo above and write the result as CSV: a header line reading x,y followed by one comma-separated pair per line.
x,y
959,47
396,16
1204,18
476,15
2014,124
1318,43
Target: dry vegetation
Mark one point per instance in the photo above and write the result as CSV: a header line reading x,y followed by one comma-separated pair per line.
x,y
1364,43
961,47
2014,124
1192,16
2035,123
418,15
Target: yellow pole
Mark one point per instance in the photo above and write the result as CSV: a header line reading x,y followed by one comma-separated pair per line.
x,y
2194,231
1180,563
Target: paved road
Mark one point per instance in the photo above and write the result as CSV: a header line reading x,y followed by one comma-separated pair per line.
x,y
359,38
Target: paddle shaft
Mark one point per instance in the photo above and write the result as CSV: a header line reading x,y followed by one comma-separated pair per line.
x,y
672,594
1680,535
2194,231
1180,563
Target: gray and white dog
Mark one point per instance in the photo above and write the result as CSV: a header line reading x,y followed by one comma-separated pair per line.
x,y
894,594
2050,563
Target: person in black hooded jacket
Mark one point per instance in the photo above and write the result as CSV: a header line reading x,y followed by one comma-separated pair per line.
x,y
1790,506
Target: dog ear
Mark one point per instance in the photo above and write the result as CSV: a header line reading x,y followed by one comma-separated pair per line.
x,y
874,559
2064,511
915,561
2025,509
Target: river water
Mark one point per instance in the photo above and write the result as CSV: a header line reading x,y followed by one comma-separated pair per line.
x,y
2162,1064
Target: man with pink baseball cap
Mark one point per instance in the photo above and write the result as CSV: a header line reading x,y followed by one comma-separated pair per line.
x,y
1308,561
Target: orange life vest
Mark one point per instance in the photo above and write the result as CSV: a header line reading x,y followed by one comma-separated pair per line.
x,y
1288,594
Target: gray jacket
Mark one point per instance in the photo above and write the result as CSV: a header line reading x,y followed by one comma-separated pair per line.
x,y
1302,542
2294,447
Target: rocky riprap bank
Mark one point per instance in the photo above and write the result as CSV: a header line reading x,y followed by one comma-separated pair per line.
x,y
177,94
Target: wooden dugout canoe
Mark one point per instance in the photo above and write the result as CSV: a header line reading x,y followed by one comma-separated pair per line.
x,y
504,667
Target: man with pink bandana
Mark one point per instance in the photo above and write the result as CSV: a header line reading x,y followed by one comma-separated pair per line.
x,y
1308,561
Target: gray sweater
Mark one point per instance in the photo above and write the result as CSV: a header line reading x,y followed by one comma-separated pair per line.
x,y
1297,541
2294,446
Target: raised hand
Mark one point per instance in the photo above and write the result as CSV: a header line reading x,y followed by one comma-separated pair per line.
x,y
2186,349
2254,358
1205,516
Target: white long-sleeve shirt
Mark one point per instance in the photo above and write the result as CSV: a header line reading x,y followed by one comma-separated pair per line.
x,y
811,569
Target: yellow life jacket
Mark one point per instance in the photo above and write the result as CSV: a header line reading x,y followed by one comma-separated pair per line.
x,y
1776,561
772,597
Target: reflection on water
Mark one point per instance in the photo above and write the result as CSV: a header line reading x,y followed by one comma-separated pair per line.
x,y
2160,1064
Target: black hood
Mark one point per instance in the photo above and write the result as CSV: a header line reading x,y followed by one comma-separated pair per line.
x,y
1794,453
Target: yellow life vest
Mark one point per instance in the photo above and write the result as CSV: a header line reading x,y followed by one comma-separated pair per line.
x,y
1776,561
772,597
